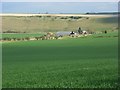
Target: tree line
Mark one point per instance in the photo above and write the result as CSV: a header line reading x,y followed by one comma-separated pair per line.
x,y
44,37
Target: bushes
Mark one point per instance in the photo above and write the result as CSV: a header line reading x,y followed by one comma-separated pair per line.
x,y
12,31
71,17
45,37
63,18
38,38
75,17
14,39
27,38
6,39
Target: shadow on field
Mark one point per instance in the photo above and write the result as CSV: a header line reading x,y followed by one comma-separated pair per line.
x,y
109,20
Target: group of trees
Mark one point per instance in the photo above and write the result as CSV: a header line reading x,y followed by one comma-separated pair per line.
x,y
80,31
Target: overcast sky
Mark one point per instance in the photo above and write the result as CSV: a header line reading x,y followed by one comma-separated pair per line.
x,y
58,7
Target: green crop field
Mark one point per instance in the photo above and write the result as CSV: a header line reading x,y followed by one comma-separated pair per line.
x,y
82,62
89,62
21,35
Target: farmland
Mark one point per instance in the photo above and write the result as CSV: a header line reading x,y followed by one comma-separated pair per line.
x,y
81,62
69,63
22,35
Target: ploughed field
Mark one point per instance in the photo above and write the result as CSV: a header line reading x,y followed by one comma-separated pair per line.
x,y
88,62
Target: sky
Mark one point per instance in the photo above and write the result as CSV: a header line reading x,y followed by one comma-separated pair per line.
x,y
58,7
60,0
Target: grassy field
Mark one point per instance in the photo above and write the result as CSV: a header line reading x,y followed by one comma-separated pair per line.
x,y
22,35
35,24
69,63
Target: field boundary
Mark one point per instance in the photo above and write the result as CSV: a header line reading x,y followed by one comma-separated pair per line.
x,y
83,15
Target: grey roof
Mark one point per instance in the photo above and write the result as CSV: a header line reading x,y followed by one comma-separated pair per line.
x,y
63,33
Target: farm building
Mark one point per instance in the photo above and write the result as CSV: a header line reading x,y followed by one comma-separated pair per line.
x,y
63,33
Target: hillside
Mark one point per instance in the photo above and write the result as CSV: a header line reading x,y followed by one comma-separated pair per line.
x,y
53,23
